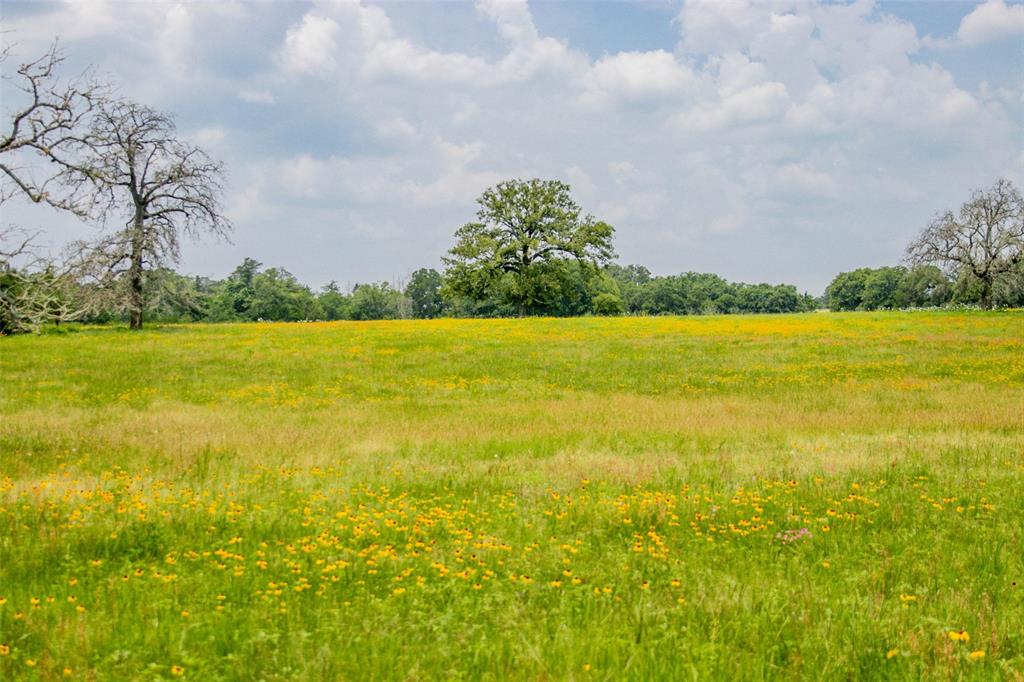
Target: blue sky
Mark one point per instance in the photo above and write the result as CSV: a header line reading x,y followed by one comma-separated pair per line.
x,y
765,141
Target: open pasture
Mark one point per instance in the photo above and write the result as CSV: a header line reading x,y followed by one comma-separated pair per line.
x,y
819,496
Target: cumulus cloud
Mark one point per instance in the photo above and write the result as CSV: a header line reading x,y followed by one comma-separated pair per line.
x,y
174,41
636,75
442,173
309,46
716,26
401,59
362,39
209,137
513,19
991,21
756,103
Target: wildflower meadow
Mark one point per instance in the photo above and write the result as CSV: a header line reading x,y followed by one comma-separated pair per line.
x,y
817,496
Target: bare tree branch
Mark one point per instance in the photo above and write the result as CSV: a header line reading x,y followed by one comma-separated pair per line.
x,y
36,290
44,125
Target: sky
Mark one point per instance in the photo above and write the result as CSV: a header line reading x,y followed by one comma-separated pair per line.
x,y
774,141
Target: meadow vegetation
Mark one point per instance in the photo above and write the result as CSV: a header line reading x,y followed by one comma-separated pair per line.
x,y
812,496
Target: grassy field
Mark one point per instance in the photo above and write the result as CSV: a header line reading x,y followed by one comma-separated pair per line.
x,y
816,496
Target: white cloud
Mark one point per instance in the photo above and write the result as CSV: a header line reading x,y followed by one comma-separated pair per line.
x,y
72,21
400,58
738,105
991,21
636,75
395,128
364,40
513,19
717,26
209,137
442,173
174,41
309,46
802,178
580,182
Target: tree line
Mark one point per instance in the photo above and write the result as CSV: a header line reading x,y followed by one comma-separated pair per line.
x,y
253,292
973,256
79,147
924,286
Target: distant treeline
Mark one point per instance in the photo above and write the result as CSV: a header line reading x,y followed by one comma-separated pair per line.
x,y
924,286
252,292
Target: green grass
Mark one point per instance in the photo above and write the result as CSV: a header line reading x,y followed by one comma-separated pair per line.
x,y
524,499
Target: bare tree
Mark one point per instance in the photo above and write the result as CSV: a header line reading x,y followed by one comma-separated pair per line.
x,y
985,238
15,244
36,289
45,122
131,162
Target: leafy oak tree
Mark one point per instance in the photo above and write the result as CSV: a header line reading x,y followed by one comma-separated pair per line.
x,y
517,250
375,301
424,293
334,302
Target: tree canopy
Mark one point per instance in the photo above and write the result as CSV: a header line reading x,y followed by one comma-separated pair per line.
x,y
518,248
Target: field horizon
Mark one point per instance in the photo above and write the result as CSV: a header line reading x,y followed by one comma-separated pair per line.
x,y
817,495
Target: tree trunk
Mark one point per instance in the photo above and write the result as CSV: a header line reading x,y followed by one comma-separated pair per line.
x,y
135,275
986,292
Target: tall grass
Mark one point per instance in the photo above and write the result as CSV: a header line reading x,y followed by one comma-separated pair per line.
x,y
815,496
